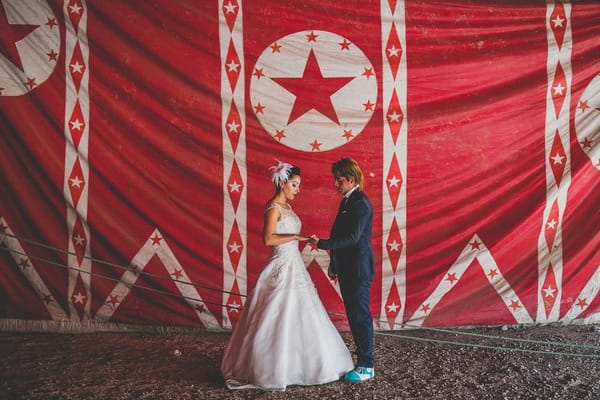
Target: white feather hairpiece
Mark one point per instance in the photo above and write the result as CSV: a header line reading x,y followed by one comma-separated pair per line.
x,y
280,172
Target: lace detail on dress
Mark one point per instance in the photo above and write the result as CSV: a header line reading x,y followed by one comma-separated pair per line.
x,y
272,204
288,221
282,254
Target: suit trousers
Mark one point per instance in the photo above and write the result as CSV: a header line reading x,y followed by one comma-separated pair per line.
x,y
356,296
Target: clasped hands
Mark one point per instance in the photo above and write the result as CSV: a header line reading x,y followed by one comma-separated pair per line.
x,y
312,239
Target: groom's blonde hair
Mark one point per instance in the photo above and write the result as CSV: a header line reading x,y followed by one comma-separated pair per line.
x,y
349,169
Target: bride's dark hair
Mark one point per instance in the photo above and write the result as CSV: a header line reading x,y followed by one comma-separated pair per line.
x,y
282,172
290,172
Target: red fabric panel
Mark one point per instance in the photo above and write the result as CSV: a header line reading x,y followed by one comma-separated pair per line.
x,y
154,142
476,109
119,121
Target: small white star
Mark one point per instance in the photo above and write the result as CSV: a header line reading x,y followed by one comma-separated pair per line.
x,y
79,240
557,159
392,307
394,246
233,126
558,21
234,187
393,51
549,291
558,89
394,181
551,224
76,67
76,182
77,124
230,8
234,307
78,298
75,9
394,117
233,66
234,247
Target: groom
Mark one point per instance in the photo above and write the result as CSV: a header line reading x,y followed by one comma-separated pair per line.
x,y
352,261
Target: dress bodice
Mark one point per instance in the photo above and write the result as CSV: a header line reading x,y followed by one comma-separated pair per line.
x,y
287,223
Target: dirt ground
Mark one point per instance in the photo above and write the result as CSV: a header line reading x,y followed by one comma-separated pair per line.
x,y
410,364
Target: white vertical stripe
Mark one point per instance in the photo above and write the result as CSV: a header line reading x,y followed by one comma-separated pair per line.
x,y
228,97
553,258
395,18
73,37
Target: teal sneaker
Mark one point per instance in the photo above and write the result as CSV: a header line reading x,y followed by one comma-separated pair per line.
x,y
360,374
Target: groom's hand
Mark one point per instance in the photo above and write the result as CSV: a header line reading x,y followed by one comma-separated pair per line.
x,y
332,275
313,239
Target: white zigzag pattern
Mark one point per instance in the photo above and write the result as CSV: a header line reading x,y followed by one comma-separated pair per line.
x,y
496,280
172,265
30,273
585,298
322,258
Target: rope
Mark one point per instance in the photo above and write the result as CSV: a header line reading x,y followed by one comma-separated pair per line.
x,y
456,332
555,353
495,336
130,285
100,261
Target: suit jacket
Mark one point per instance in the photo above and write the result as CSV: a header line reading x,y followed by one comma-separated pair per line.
x,y
349,242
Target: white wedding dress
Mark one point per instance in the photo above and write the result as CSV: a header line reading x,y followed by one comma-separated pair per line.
x,y
284,335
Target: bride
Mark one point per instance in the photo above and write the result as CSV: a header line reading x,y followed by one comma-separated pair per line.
x,y
284,335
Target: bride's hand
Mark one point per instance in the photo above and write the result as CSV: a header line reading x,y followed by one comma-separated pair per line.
x,y
302,237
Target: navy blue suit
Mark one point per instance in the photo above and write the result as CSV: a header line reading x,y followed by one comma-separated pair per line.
x,y
352,260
